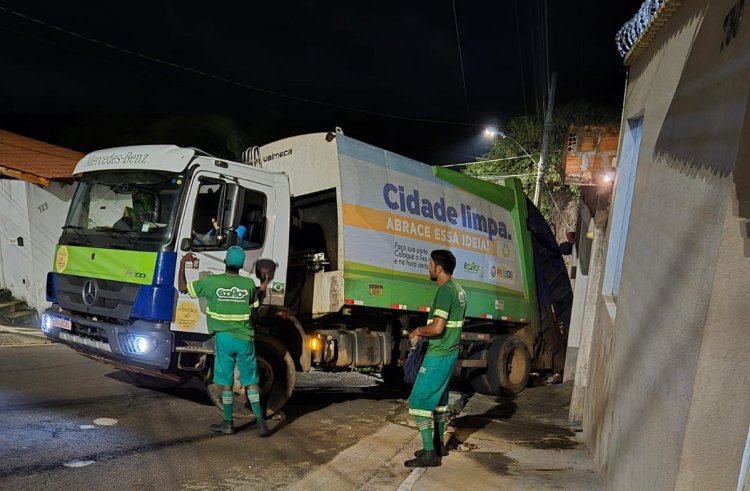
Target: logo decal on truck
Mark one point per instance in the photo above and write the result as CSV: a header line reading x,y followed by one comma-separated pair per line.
x,y
90,292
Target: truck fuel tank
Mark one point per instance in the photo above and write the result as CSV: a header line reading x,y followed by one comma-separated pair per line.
x,y
357,348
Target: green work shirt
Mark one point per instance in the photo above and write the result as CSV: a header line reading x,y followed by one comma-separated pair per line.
x,y
230,298
450,304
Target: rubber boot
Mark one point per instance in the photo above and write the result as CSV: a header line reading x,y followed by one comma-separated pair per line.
x,y
428,459
225,427
441,451
263,429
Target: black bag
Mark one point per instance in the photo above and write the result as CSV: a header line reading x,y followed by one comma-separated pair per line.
x,y
414,360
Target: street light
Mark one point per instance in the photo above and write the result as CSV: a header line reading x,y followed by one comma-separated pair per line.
x,y
491,133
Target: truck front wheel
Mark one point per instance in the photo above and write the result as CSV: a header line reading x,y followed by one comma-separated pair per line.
x,y
276,375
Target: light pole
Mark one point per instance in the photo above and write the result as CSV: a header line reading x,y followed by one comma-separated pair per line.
x,y
491,133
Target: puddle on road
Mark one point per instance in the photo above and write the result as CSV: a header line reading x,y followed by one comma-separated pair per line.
x,y
533,435
497,462
105,421
78,463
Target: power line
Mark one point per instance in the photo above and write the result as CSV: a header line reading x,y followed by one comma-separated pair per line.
x,y
244,85
461,61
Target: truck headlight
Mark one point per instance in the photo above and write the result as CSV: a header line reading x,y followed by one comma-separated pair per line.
x,y
137,344
46,323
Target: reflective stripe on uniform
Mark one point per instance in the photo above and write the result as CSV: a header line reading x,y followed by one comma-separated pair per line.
x,y
440,313
420,412
227,317
441,409
191,290
451,324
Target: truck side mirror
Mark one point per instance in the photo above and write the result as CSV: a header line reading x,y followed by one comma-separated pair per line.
x,y
265,268
185,244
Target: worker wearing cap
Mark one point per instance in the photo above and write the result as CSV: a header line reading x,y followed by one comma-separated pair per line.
x,y
230,299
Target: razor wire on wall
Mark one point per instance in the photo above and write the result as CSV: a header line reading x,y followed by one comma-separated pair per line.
x,y
632,29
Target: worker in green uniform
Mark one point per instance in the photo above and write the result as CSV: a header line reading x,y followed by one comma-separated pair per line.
x,y
428,401
230,299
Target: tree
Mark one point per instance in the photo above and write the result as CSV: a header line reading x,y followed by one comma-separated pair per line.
x,y
507,158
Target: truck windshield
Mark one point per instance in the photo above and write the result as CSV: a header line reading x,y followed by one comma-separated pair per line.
x,y
124,210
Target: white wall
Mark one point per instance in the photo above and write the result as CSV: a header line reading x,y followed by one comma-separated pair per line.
x,y
14,223
47,209
36,214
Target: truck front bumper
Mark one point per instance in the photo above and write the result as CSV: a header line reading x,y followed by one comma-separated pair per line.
x,y
142,344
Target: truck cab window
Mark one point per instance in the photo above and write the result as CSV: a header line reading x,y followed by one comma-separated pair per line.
x,y
208,213
250,219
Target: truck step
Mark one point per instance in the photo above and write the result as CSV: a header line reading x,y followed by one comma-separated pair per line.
x,y
21,317
9,306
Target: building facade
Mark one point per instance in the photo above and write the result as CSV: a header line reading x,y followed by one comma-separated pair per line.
x,y
663,362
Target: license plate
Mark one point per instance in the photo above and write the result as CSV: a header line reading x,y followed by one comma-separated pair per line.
x,y
62,323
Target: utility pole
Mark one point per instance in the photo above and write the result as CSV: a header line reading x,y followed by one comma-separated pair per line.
x,y
545,142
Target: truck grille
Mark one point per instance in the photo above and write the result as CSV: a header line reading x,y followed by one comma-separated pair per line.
x,y
107,298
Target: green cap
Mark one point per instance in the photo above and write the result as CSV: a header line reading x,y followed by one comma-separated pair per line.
x,y
235,257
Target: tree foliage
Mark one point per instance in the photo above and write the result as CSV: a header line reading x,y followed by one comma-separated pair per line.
x,y
506,156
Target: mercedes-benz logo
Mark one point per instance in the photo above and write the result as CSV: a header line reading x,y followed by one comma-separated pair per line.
x,y
90,291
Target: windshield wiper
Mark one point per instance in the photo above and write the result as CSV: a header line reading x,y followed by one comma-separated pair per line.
x,y
79,233
133,243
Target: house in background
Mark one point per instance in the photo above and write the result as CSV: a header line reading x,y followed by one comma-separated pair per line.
x,y
36,186
588,161
662,385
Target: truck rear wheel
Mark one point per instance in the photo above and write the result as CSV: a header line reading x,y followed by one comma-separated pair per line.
x,y
276,375
477,377
508,365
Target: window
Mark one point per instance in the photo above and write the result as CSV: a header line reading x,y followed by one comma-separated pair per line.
x,y
250,219
123,210
225,206
621,205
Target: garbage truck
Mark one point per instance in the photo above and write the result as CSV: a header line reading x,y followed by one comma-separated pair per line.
x,y
344,231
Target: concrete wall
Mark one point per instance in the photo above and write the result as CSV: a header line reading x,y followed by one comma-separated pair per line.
x,y
14,223
35,213
580,286
660,356
47,209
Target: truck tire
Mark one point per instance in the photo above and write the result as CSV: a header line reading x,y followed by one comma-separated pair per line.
x,y
153,383
477,377
508,365
277,377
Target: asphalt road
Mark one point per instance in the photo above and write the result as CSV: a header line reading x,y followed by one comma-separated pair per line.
x,y
67,422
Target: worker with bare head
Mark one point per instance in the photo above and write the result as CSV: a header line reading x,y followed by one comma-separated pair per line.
x,y
428,401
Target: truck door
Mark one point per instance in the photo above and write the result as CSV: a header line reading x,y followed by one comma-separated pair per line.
x,y
216,204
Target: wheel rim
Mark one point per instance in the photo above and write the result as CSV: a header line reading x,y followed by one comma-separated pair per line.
x,y
515,365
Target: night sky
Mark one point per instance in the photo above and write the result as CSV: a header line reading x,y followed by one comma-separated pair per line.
x,y
97,74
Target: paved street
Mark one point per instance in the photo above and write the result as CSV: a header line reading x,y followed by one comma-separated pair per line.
x,y
70,423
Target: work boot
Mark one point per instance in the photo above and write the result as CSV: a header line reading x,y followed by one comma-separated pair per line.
x,y
263,429
225,427
441,451
428,459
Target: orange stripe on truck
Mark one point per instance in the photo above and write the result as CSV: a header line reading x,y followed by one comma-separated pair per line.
x,y
402,226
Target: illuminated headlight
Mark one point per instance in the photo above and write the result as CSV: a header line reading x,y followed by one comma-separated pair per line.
x,y
137,344
46,324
